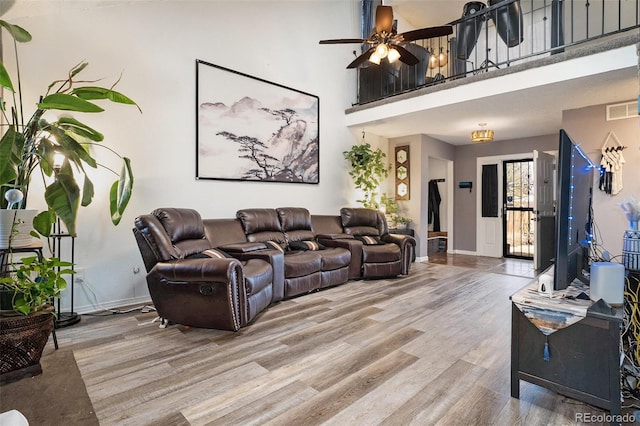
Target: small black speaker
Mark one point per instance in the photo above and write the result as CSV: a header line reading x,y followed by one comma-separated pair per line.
x,y
508,22
469,31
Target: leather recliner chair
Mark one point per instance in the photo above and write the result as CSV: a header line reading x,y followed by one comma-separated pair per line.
x,y
193,285
381,254
297,227
304,270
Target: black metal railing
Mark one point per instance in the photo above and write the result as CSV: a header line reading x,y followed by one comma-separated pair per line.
x,y
497,35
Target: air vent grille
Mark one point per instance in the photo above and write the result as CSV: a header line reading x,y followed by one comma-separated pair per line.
x,y
620,111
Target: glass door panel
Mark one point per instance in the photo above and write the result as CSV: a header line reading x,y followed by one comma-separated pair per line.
x,y
518,207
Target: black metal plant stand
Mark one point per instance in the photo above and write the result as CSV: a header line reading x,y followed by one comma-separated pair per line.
x,y
64,319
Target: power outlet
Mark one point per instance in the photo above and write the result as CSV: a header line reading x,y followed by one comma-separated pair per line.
x,y
78,277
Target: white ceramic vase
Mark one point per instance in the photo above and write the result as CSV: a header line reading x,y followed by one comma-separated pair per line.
x,y
24,220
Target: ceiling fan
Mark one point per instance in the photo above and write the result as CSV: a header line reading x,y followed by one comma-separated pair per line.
x,y
386,42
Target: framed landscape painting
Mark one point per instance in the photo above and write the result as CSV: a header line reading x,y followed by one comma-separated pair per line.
x,y
254,130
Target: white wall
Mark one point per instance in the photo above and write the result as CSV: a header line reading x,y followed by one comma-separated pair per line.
x,y
156,44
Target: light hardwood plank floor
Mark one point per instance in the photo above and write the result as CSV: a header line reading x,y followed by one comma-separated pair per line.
x,y
431,348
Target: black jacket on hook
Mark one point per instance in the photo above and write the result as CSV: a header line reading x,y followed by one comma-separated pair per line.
x,y
434,205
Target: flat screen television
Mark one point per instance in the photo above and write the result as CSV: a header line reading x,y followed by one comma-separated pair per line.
x,y
574,222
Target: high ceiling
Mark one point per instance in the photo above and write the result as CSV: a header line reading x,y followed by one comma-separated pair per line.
x,y
427,13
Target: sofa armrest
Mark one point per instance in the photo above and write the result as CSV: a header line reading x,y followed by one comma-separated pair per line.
x,y
276,259
399,239
354,246
244,247
201,270
205,293
407,245
340,236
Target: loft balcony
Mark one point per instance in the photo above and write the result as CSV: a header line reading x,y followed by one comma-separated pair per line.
x,y
537,56
505,36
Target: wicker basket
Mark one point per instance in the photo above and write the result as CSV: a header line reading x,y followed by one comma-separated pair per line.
x,y
22,340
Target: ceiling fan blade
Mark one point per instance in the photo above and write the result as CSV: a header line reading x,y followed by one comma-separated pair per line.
x,y
384,19
425,33
343,41
406,56
361,59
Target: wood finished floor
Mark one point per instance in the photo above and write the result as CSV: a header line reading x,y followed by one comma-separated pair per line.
x,y
431,348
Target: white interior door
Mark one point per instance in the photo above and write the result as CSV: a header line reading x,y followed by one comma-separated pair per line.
x,y
489,229
544,210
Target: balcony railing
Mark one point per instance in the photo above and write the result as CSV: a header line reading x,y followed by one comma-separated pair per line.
x,y
498,35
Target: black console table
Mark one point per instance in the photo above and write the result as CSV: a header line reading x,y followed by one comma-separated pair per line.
x,y
584,361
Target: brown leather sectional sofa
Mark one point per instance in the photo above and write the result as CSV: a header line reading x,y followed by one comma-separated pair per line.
x,y
220,273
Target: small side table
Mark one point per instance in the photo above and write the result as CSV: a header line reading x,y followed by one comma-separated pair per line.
x,y
5,253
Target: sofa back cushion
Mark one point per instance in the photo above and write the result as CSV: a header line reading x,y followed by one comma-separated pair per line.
x,y
295,223
185,231
326,224
224,231
153,241
261,225
361,221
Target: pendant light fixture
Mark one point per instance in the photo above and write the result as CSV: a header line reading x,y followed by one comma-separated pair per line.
x,y
433,60
482,135
442,58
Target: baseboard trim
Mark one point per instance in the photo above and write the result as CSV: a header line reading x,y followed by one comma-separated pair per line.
x,y
114,305
467,252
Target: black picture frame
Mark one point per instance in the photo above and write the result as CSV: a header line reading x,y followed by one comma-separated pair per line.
x,y
250,129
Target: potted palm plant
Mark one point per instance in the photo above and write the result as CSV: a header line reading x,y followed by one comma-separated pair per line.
x,y
58,149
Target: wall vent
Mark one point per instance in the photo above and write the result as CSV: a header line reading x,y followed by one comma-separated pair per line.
x,y
620,111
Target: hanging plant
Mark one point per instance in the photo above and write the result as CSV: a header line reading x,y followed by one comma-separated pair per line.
x,y
368,170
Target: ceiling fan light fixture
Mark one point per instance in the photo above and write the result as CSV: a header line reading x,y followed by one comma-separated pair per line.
x,y
386,38
482,135
374,58
393,55
382,50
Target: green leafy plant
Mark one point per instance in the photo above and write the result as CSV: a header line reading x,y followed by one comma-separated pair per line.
x,y
31,143
390,205
401,219
35,282
368,169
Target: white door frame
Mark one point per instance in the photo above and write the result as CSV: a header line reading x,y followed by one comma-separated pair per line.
x,y
450,197
482,246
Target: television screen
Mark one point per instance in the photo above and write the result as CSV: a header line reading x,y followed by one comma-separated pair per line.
x,y
576,174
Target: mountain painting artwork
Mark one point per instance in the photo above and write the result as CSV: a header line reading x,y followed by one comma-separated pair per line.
x,y
254,130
